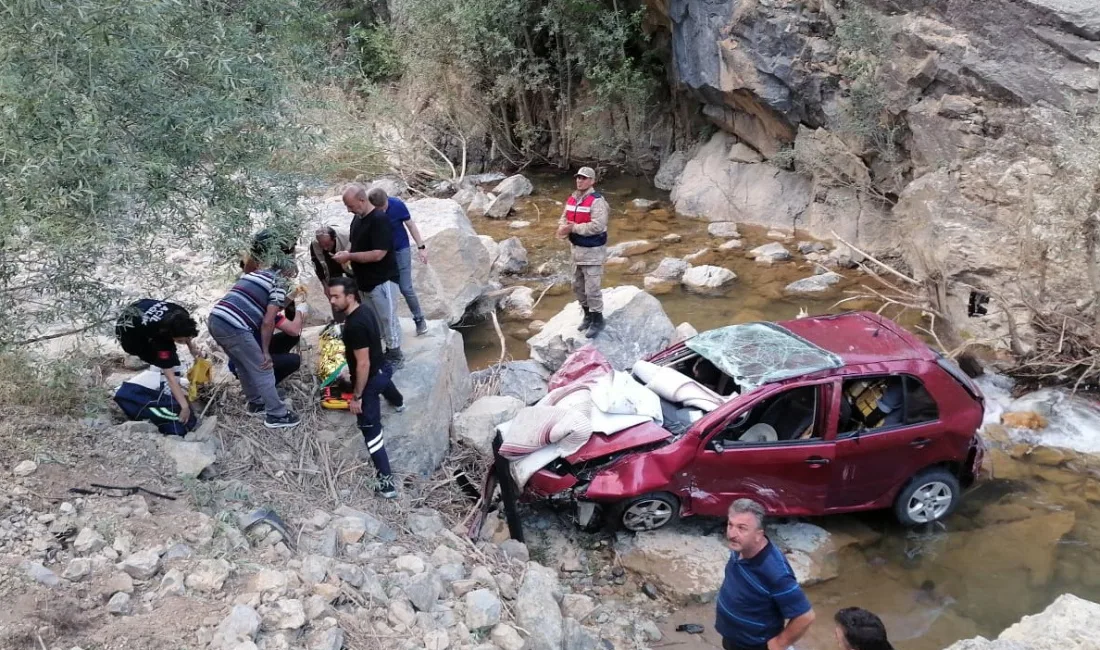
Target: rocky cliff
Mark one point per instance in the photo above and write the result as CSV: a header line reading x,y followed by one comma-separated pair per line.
x,y
946,134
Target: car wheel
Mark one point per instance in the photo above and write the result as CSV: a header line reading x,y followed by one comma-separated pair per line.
x,y
929,497
649,512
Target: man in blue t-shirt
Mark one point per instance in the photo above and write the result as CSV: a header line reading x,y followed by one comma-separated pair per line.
x,y
403,226
760,605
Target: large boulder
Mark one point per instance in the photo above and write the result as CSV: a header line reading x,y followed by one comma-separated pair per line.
x,y
476,426
1069,623
637,327
511,257
809,549
537,608
707,279
715,188
671,169
685,565
500,206
524,380
516,186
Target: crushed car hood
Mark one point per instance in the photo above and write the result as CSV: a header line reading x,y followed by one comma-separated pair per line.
x,y
600,444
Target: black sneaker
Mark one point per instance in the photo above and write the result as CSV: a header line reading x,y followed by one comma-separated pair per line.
x,y
385,488
291,419
421,327
254,408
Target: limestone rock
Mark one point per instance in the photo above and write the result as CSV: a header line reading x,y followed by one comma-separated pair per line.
x,y
506,637
707,279
637,326
25,468
476,426
770,253
142,565
724,229
517,185
240,625
685,331
500,206
77,569
631,248
537,609
285,614
686,566
483,609
209,576
671,169
120,604
88,540
511,257
814,283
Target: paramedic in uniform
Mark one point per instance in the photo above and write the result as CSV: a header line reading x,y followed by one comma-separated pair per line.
x,y
584,224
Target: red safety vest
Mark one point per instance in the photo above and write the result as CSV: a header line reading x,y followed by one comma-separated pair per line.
x,y
580,212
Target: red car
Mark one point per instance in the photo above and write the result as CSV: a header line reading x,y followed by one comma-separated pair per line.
x,y
847,413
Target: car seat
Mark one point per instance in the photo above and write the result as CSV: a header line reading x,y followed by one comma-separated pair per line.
x,y
790,416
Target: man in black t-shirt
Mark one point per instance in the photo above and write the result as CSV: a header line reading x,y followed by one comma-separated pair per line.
x,y
373,262
371,375
150,330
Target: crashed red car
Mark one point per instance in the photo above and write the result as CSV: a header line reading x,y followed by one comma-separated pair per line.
x,y
847,413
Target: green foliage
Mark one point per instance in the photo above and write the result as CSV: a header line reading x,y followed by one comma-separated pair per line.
x,y
863,43
375,47
128,129
60,386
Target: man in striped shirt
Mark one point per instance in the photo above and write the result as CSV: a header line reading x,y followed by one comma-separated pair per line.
x,y
250,308
760,605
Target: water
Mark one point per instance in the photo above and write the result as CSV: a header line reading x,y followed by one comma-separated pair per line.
x,y
757,294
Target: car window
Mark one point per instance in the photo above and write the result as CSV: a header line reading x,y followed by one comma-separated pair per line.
x,y
788,416
872,403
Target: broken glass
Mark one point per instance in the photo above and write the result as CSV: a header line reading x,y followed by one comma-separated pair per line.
x,y
754,354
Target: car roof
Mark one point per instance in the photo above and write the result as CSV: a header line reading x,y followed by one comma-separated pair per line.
x,y
860,337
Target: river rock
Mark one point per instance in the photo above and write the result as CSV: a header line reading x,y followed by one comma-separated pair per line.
x,y
814,283
809,550
516,186
142,565
715,188
240,625
657,286
644,204
191,458
476,426
537,609
519,304
524,380
732,245
770,253
670,268
511,257
482,609
688,567
808,247
478,204
707,279
672,238
724,229
631,248
637,326
465,197
436,380
500,206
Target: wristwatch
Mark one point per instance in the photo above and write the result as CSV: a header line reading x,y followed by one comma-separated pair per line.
x,y
356,398
421,247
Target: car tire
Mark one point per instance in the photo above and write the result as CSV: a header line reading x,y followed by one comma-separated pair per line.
x,y
929,497
648,512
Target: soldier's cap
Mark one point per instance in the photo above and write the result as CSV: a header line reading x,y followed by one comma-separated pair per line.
x,y
586,172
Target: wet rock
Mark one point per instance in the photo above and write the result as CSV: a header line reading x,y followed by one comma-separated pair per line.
x,y
637,268
631,248
517,185
239,626
88,541
517,225
770,253
518,305
672,238
500,206
511,257
25,468
425,522
700,256
119,604
577,606
808,247
515,549
636,327
537,610
686,566
41,574
814,283
173,583
809,550
476,426
670,268
731,245
707,279
670,171
209,576
142,565
644,204
285,614
424,590
1066,624
506,637
779,234
724,229
657,286
523,380
483,609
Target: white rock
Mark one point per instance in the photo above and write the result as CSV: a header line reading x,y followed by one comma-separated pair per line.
x,y
330,639
644,204
809,550
699,257
268,580
672,238
315,568
724,229
401,612
743,153
814,283
1069,623
518,305
631,248
88,541
685,331
209,576
770,253
500,206
506,637
77,569
349,530
657,286
686,566
478,204
476,426
537,609
483,609
286,614
391,186
707,279
240,625
670,268
409,564
173,583
191,458
577,606
779,235
436,640
732,245
516,185
484,577
637,326
446,555
516,225
120,604
511,257
142,565
25,468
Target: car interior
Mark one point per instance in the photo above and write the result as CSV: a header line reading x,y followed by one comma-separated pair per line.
x,y
788,416
870,403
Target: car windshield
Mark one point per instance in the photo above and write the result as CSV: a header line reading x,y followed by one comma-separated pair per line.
x,y
754,354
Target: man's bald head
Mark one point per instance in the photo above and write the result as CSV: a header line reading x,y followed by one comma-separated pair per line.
x,y
355,199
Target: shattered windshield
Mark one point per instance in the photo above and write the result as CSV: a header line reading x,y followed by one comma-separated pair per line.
x,y
754,354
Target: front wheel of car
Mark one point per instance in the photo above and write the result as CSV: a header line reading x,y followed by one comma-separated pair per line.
x,y
929,497
649,512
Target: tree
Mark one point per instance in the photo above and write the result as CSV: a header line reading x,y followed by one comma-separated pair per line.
x,y
131,128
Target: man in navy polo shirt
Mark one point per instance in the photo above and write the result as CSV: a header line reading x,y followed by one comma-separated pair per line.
x,y
760,605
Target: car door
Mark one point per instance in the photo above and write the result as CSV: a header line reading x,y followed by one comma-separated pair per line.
x,y
871,461
788,475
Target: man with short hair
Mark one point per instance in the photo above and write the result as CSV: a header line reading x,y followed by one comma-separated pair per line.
x,y
326,243
371,375
584,223
373,262
249,309
760,605
859,629
402,224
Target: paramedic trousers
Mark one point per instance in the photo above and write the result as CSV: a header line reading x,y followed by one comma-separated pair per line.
x,y
586,286
370,419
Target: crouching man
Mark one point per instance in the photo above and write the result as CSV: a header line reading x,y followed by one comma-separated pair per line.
x,y
760,605
371,375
